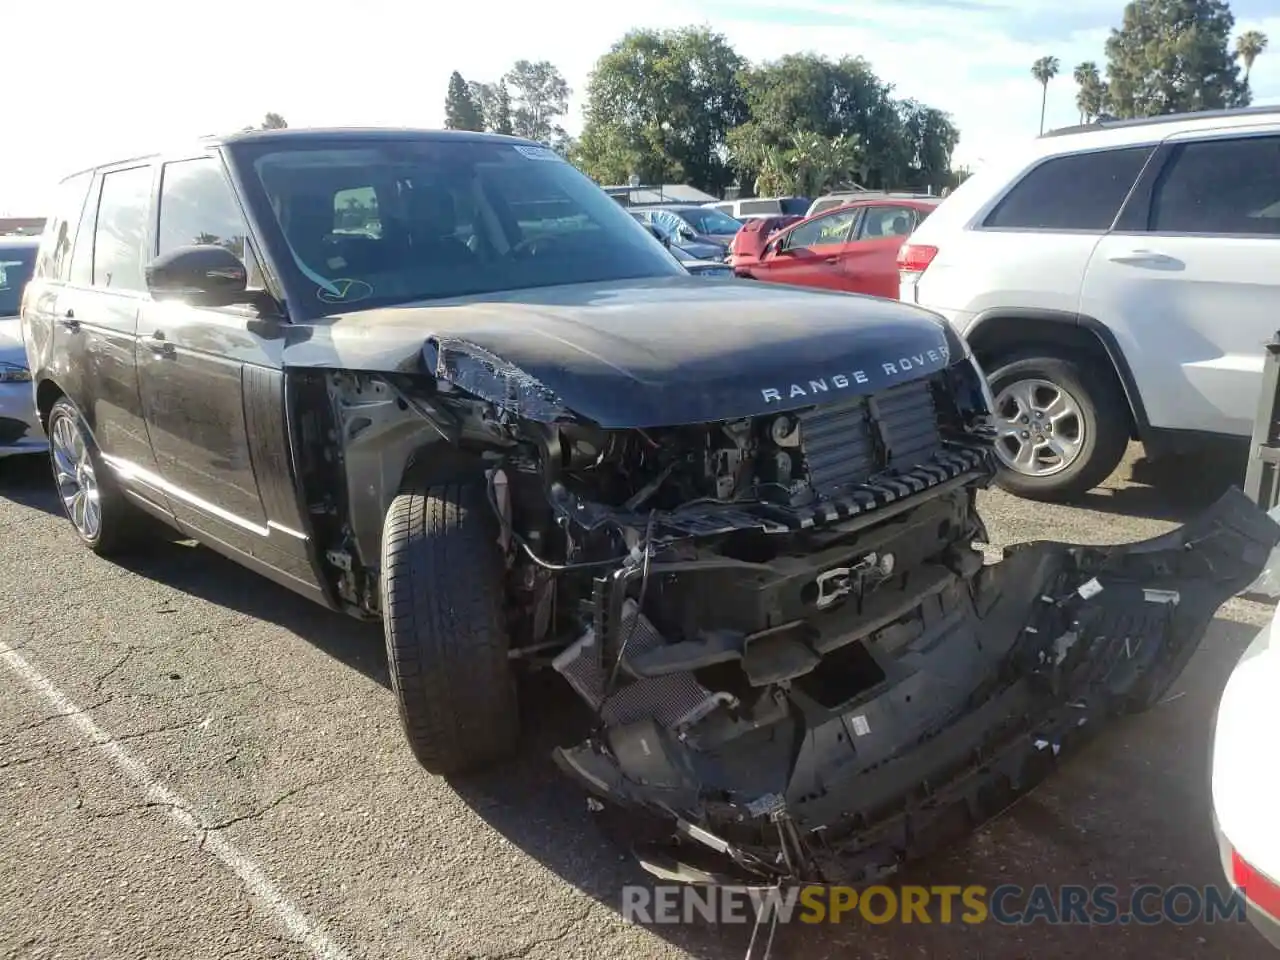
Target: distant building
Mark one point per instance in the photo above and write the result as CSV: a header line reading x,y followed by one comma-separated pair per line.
x,y
630,196
21,226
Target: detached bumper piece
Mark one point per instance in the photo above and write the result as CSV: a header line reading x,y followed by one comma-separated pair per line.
x,y
838,764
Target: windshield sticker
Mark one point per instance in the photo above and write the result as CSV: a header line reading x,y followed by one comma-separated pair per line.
x,y
537,153
345,291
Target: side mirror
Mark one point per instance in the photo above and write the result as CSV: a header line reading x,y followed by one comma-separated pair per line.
x,y
687,234
205,273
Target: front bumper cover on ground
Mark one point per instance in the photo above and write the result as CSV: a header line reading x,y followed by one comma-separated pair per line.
x,y
996,674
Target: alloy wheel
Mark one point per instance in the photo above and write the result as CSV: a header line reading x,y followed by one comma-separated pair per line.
x,y
1040,427
75,476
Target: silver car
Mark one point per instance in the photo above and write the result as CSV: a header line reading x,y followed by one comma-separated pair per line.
x,y
19,426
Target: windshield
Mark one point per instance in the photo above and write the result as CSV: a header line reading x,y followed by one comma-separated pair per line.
x,y
710,221
376,222
15,270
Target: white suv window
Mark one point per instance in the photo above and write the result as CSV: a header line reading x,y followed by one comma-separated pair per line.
x,y
1083,191
1220,187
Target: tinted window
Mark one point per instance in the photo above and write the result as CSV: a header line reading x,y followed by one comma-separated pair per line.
x,y
16,265
122,225
198,207
456,218
54,258
759,206
82,252
1080,192
833,228
1220,186
887,222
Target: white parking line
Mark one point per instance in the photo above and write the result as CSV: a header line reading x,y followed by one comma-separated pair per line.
x,y
297,924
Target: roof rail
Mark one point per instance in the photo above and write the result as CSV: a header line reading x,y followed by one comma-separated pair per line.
x,y
1106,122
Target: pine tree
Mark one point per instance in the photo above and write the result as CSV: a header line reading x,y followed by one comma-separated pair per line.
x,y
1173,56
460,111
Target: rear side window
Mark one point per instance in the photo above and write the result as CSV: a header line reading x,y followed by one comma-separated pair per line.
x,y
355,210
1079,192
53,262
198,207
121,228
883,222
82,253
1220,186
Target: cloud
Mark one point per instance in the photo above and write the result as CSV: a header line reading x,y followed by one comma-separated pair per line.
x,y
116,79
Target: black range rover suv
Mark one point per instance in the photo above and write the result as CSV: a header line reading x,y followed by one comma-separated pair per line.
x,y
443,380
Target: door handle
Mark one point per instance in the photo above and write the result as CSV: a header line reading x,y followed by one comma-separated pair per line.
x,y
69,321
159,344
831,259
1138,257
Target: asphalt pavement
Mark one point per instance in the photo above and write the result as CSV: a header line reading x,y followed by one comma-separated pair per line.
x,y
195,763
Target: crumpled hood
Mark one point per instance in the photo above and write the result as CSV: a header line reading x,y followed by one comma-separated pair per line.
x,y
648,352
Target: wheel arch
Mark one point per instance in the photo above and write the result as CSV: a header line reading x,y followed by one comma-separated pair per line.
x,y
47,394
994,333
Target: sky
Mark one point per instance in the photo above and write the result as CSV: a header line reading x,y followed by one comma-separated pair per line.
x,y
109,79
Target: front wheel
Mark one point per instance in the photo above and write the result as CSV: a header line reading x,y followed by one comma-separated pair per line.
x,y
442,596
1063,425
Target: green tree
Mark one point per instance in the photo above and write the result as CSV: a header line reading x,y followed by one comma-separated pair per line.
x,y
1091,95
540,95
808,166
273,121
928,140
493,103
1172,56
460,111
830,98
1044,70
1249,46
660,105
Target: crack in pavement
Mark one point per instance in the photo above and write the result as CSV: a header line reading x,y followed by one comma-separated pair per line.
x,y
80,748
102,678
523,952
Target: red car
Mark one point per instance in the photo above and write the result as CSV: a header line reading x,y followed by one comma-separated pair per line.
x,y
852,248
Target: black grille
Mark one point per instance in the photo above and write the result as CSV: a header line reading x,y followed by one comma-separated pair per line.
x,y
848,443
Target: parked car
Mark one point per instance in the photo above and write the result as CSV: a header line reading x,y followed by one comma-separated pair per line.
x,y
703,232
697,267
853,248
507,423
1117,282
762,207
755,230
832,200
19,427
1245,783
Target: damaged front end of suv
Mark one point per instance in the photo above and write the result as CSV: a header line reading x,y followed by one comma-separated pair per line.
x,y
797,663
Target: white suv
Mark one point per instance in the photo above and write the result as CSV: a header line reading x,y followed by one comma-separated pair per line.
x,y
1116,281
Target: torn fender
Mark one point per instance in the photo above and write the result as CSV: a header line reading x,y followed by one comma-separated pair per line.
x,y
1001,672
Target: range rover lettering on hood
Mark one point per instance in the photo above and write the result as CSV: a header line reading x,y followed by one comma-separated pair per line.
x,y
889,372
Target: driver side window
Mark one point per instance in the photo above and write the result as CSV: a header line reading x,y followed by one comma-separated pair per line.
x,y
821,231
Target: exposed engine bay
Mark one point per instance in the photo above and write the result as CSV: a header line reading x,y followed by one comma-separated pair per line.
x,y
798,665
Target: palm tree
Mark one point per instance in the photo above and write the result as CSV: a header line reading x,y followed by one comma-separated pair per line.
x,y
1091,97
1249,45
1044,70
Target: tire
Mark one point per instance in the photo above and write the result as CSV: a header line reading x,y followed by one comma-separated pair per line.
x,y
1103,419
441,591
77,463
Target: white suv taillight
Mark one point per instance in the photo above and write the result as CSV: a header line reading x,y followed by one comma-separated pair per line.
x,y
913,261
